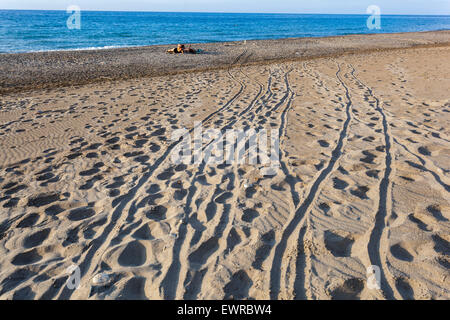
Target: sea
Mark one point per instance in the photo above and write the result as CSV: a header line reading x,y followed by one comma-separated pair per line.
x,y
31,31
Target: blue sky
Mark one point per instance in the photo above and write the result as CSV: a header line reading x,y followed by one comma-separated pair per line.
x,y
288,6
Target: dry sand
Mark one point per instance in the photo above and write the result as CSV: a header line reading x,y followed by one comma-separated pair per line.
x,y
86,178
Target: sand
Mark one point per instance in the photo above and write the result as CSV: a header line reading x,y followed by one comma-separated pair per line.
x,y
86,179
64,68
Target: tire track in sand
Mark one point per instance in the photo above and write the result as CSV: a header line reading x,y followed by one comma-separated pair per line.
x,y
378,241
224,226
174,280
300,216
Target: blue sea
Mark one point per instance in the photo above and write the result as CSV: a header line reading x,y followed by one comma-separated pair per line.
x,y
29,31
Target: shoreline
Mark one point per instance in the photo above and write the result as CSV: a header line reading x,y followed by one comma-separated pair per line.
x,y
52,69
113,47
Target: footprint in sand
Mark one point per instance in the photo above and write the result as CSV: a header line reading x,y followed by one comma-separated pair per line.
x,y
399,252
36,239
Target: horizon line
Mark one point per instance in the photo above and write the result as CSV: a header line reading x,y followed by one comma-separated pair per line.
x,y
232,12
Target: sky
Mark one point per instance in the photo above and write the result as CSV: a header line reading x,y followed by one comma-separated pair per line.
x,y
438,7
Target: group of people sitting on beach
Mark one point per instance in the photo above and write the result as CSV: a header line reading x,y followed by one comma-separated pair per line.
x,y
182,49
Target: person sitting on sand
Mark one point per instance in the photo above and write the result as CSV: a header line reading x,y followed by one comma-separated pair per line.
x,y
182,49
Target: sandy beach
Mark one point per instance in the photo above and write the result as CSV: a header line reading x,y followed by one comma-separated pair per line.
x,y
87,178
